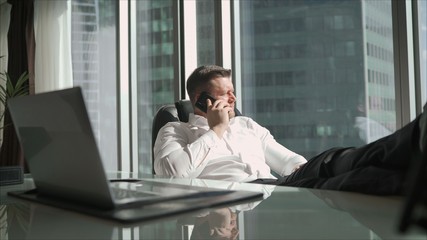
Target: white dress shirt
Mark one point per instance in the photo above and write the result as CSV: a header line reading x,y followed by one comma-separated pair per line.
x,y
246,152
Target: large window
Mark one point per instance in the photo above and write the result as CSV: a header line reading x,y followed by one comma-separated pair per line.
x,y
93,46
156,59
318,74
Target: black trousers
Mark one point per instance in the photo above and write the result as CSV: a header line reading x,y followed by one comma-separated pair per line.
x,y
377,168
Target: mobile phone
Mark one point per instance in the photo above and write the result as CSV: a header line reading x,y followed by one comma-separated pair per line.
x,y
201,103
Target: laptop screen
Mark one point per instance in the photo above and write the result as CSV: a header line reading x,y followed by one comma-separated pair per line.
x,y
59,145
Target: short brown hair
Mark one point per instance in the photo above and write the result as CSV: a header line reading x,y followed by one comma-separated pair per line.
x,y
202,75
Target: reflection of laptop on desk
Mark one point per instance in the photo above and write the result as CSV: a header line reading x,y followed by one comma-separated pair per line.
x,y
63,158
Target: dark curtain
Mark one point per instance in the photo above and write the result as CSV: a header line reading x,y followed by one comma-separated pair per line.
x,y
21,48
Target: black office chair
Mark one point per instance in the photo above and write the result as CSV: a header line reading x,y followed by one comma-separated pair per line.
x,y
172,113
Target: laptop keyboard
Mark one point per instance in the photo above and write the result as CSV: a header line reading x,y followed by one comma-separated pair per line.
x,y
120,193
156,192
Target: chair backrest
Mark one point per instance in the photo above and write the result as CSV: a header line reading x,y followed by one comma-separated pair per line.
x,y
172,113
169,113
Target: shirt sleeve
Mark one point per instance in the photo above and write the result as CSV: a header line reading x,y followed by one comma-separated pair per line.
x,y
279,158
176,155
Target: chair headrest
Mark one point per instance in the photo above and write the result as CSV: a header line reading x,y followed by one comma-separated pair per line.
x,y
184,108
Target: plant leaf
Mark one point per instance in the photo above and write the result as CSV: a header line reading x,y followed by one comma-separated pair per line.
x,y
9,86
21,92
2,92
20,88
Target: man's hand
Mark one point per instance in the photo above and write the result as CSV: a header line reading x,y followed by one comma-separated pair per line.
x,y
217,115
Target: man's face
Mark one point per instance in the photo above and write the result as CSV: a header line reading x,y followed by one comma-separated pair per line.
x,y
222,88
223,225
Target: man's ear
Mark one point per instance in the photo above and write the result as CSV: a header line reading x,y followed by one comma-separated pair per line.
x,y
196,96
194,100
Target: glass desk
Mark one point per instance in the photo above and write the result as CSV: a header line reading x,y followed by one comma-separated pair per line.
x,y
285,213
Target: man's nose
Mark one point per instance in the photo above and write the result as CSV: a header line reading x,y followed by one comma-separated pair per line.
x,y
232,97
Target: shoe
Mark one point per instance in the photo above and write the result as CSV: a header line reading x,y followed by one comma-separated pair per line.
x,y
423,130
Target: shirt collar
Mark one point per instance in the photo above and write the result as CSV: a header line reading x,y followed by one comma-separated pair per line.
x,y
197,120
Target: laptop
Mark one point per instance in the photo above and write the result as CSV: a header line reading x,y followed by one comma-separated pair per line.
x,y
64,161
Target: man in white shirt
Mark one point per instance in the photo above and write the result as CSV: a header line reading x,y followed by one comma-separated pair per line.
x,y
217,145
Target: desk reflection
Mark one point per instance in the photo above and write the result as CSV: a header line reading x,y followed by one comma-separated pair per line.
x,y
379,215
284,213
36,221
28,220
